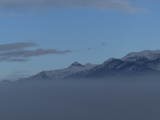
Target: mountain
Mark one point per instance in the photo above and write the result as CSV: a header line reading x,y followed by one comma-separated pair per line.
x,y
118,67
61,73
135,63
148,54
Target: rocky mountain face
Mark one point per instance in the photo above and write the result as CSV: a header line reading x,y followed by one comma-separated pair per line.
x,y
140,63
118,67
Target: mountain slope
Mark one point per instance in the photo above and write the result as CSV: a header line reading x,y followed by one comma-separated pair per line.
x,y
148,54
61,73
140,63
118,67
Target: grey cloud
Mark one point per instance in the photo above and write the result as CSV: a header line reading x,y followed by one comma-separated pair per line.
x,y
95,4
23,55
89,48
101,45
16,52
15,46
104,44
30,53
9,59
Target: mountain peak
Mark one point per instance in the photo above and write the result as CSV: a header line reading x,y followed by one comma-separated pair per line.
x,y
76,64
109,60
150,55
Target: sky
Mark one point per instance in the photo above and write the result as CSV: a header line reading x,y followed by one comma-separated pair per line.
x,y
40,35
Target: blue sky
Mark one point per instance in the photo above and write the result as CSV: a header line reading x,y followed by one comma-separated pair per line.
x,y
45,35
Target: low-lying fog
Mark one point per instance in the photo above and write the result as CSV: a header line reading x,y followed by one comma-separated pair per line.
x,y
81,100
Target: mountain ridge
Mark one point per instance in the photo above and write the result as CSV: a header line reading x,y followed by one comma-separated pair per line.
x,y
135,63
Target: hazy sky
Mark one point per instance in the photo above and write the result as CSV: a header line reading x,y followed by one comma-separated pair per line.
x,y
38,35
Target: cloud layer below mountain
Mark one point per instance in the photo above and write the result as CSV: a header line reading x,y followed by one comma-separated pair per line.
x,y
81,100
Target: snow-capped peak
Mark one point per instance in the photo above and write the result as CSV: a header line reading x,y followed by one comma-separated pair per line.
x,y
76,64
62,73
150,55
109,60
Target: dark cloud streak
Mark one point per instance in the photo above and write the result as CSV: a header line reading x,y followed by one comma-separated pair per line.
x,y
16,52
30,53
16,46
122,5
8,59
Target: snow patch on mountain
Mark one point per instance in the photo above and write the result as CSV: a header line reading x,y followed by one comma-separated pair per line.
x,y
150,55
62,73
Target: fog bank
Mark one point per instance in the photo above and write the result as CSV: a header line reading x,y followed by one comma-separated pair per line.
x,y
81,100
